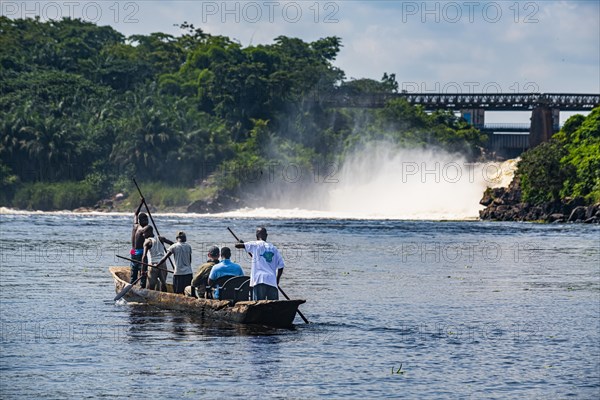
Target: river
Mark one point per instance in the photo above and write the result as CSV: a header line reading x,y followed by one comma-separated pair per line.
x,y
412,309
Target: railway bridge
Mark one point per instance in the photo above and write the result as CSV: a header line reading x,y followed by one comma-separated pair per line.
x,y
504,138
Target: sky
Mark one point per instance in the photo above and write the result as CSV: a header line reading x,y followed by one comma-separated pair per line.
x,y
433,46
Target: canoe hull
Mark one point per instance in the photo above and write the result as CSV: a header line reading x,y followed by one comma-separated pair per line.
x,y
277,313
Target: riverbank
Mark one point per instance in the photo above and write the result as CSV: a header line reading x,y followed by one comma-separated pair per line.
x,y
506,204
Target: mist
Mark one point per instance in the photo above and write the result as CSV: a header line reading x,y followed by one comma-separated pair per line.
x,y
381,181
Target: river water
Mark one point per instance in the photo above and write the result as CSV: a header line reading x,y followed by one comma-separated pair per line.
x,y
412,309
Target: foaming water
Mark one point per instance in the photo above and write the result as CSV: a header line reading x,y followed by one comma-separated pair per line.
x,y
382,181
407,184
298,213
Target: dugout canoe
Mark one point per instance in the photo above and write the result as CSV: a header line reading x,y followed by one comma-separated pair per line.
x,y
277,313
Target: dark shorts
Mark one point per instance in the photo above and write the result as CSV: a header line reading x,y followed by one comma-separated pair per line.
x,y
135,269
264,292
180,282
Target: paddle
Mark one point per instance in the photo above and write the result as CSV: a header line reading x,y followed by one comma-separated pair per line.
x,y
127,288
130,285
282,292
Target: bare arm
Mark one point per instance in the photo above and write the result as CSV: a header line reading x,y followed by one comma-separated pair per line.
x,y
147,247
169,253
137,211
165,240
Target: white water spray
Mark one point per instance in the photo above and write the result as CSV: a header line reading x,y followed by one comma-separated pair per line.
x,y
382,181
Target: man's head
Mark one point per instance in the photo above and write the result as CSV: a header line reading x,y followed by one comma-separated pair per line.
x,y
213,253
225,253
148,231
261,233
143,219
181,236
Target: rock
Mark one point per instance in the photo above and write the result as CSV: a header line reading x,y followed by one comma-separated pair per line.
x,y
534,214
552,207
504,204
119,196
221,203
592,210
592,220
578,214
487,198
493,195
103,205
557,217
200,207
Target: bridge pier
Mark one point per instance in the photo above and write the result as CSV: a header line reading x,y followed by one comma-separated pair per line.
x,y
474,116
544,120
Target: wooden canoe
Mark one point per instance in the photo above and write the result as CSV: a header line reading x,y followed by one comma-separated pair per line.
x,y
277,313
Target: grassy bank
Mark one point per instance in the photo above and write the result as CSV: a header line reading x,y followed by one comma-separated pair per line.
x,y
54,196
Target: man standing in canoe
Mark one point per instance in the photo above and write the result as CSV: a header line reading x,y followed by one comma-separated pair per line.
x,y
182,254
267,266
140,220
153,252
200,281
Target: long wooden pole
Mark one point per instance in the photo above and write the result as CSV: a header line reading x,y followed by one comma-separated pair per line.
x,y
282,292
146,264
298,311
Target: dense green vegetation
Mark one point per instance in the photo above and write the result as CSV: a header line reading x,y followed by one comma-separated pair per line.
x,y
567,166
83,108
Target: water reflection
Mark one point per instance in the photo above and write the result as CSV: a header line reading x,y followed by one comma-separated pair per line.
x,y
265,357
150,322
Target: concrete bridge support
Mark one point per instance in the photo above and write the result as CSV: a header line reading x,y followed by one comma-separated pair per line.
x,y
543,122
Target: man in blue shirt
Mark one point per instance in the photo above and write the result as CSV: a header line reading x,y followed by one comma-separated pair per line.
x,y
225,268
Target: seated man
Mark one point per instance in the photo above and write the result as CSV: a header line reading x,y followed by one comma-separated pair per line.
x,y
198,286
225,268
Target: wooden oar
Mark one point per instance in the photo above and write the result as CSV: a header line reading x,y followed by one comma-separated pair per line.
x,y
127,288
282,292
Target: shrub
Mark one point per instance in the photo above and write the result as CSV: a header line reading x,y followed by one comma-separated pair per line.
x,y
54,196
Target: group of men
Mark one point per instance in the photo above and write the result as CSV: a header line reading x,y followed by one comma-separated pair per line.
x,y
148,250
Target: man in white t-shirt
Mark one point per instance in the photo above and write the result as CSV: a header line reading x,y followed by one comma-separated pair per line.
x,y
153,252
182,254
267,266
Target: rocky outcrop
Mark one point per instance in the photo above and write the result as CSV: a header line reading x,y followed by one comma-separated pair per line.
x,y
220,203
505,204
